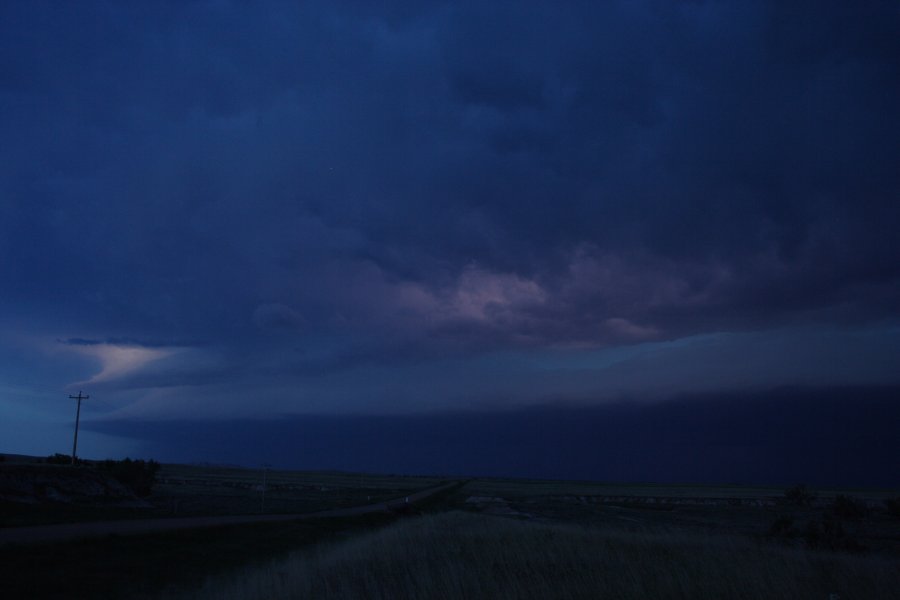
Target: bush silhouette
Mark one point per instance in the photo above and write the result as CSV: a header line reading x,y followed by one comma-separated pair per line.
x,y
783,527
799,496
62,459
138,475
829,534
846,507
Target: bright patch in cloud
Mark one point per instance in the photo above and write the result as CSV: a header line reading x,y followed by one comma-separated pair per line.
x,y
118,361
481,294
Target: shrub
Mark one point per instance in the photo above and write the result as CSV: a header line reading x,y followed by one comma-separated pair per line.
x,y
799,496
62,459
138,475
829,534
893,507
782,527
846,507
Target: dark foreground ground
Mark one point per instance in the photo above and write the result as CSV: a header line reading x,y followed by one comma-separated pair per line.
x,y
856,524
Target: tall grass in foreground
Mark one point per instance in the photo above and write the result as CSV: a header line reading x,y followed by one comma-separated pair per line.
x,y
465,556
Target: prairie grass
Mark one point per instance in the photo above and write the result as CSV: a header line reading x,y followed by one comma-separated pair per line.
x,y
199,490
462,555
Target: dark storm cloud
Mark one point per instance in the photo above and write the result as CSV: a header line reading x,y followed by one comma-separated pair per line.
x,y
425,178
841,436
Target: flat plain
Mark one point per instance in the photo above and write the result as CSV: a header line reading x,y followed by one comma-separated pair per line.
x,y
555,538
216,490
190,491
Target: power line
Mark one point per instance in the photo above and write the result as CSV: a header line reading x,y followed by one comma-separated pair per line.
x,y
79,397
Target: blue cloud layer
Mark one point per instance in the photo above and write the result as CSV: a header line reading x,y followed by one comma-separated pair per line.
x,y
320,200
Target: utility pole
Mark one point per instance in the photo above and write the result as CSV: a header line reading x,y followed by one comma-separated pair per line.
x,y
79,397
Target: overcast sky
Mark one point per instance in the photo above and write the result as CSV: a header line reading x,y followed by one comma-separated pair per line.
x,y
217,211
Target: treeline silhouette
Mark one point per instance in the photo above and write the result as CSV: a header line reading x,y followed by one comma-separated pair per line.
x,y
138,475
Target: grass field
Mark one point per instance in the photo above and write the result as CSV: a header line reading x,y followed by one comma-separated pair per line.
x,y
730,510
519,488
147,565
459,555
488,538
202,490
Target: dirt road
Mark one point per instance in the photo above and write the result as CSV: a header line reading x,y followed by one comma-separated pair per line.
x,y
71,531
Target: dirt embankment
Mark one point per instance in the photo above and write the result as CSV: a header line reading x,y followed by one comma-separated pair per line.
x,y
42,484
